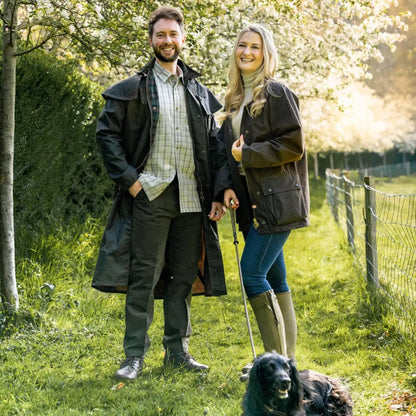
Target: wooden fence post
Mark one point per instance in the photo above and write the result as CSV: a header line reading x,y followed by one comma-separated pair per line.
x,y
348,210
335,195
371,231
330,189
328,185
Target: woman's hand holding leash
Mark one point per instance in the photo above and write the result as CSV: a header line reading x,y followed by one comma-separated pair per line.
x,y
230,199
219,209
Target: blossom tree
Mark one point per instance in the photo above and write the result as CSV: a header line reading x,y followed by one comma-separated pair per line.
x,y
359,120
59,25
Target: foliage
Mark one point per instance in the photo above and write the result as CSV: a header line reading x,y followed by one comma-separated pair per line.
x,y
58,171
323,45
396,73
358,120
395,80
59,357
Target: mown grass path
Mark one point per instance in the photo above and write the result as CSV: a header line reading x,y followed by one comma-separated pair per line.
x,y
62,358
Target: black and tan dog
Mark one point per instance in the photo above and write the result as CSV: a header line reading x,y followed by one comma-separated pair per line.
x,y
276,387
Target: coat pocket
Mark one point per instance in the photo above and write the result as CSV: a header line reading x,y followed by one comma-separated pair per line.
x,y
284,200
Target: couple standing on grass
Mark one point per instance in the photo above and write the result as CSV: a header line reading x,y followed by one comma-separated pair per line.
x,y
176,174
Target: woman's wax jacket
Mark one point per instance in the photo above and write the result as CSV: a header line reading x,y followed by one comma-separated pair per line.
x,y
276,193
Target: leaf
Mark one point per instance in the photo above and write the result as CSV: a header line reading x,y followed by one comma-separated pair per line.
x,y
49,286
117,386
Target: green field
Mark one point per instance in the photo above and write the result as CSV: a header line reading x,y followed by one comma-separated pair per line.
x,y
59,355
399,185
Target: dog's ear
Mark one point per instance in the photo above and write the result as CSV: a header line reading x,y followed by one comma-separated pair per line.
x,y
253,397
296,391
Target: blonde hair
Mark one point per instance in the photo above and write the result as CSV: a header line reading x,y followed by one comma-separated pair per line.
x,y
234,94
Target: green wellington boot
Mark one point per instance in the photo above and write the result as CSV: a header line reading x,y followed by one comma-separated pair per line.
x,y
271,326
289,318
270,322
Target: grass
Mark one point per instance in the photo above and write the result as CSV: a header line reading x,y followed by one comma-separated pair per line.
x,y
58,356
397,185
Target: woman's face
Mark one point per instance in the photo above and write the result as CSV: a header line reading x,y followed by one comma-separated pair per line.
x,y
249,53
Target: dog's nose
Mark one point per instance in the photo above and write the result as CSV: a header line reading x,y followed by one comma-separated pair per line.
x,y
285,384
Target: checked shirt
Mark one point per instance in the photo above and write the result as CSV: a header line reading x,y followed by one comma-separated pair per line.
x,y
172,152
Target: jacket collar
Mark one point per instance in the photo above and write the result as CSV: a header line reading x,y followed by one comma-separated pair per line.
x,y
188,73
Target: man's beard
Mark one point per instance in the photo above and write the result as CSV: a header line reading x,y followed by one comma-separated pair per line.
x,y
163,58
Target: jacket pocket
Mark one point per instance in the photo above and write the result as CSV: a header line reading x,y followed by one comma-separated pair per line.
x,y
284,201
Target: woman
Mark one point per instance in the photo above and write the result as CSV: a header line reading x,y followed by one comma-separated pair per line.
x,y
267,169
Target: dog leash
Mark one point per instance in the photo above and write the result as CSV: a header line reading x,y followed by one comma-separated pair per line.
x,y
232,212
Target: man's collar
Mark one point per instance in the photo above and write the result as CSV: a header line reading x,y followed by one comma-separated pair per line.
x,y
164,74
188,73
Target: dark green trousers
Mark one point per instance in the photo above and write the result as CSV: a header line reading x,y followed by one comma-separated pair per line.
x,y
161,234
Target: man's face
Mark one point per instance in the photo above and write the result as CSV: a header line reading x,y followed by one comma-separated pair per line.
x,y
167,40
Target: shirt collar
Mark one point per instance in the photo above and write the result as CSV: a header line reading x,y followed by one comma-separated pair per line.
x,y
163,74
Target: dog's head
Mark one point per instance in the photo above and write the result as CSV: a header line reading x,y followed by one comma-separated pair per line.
x,y
273,383
272,372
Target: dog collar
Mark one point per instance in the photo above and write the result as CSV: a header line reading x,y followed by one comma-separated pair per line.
x,y
271,411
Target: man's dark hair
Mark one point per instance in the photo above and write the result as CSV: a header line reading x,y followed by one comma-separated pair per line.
x,y
165,12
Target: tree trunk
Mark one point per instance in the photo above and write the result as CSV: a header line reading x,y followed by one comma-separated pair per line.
x,y
346,164
9,295
316,165
331,160
360,161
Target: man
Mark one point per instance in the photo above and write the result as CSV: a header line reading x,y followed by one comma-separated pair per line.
x,y
156,135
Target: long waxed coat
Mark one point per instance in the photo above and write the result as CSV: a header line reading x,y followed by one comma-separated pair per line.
x,y
275,163
125,132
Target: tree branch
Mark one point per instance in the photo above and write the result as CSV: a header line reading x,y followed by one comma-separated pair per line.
x,y
39,45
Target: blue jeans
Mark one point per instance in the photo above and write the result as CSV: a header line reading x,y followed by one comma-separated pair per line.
x,y
263,264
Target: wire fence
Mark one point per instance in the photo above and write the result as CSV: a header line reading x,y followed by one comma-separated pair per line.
x,y
389,171
381,231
